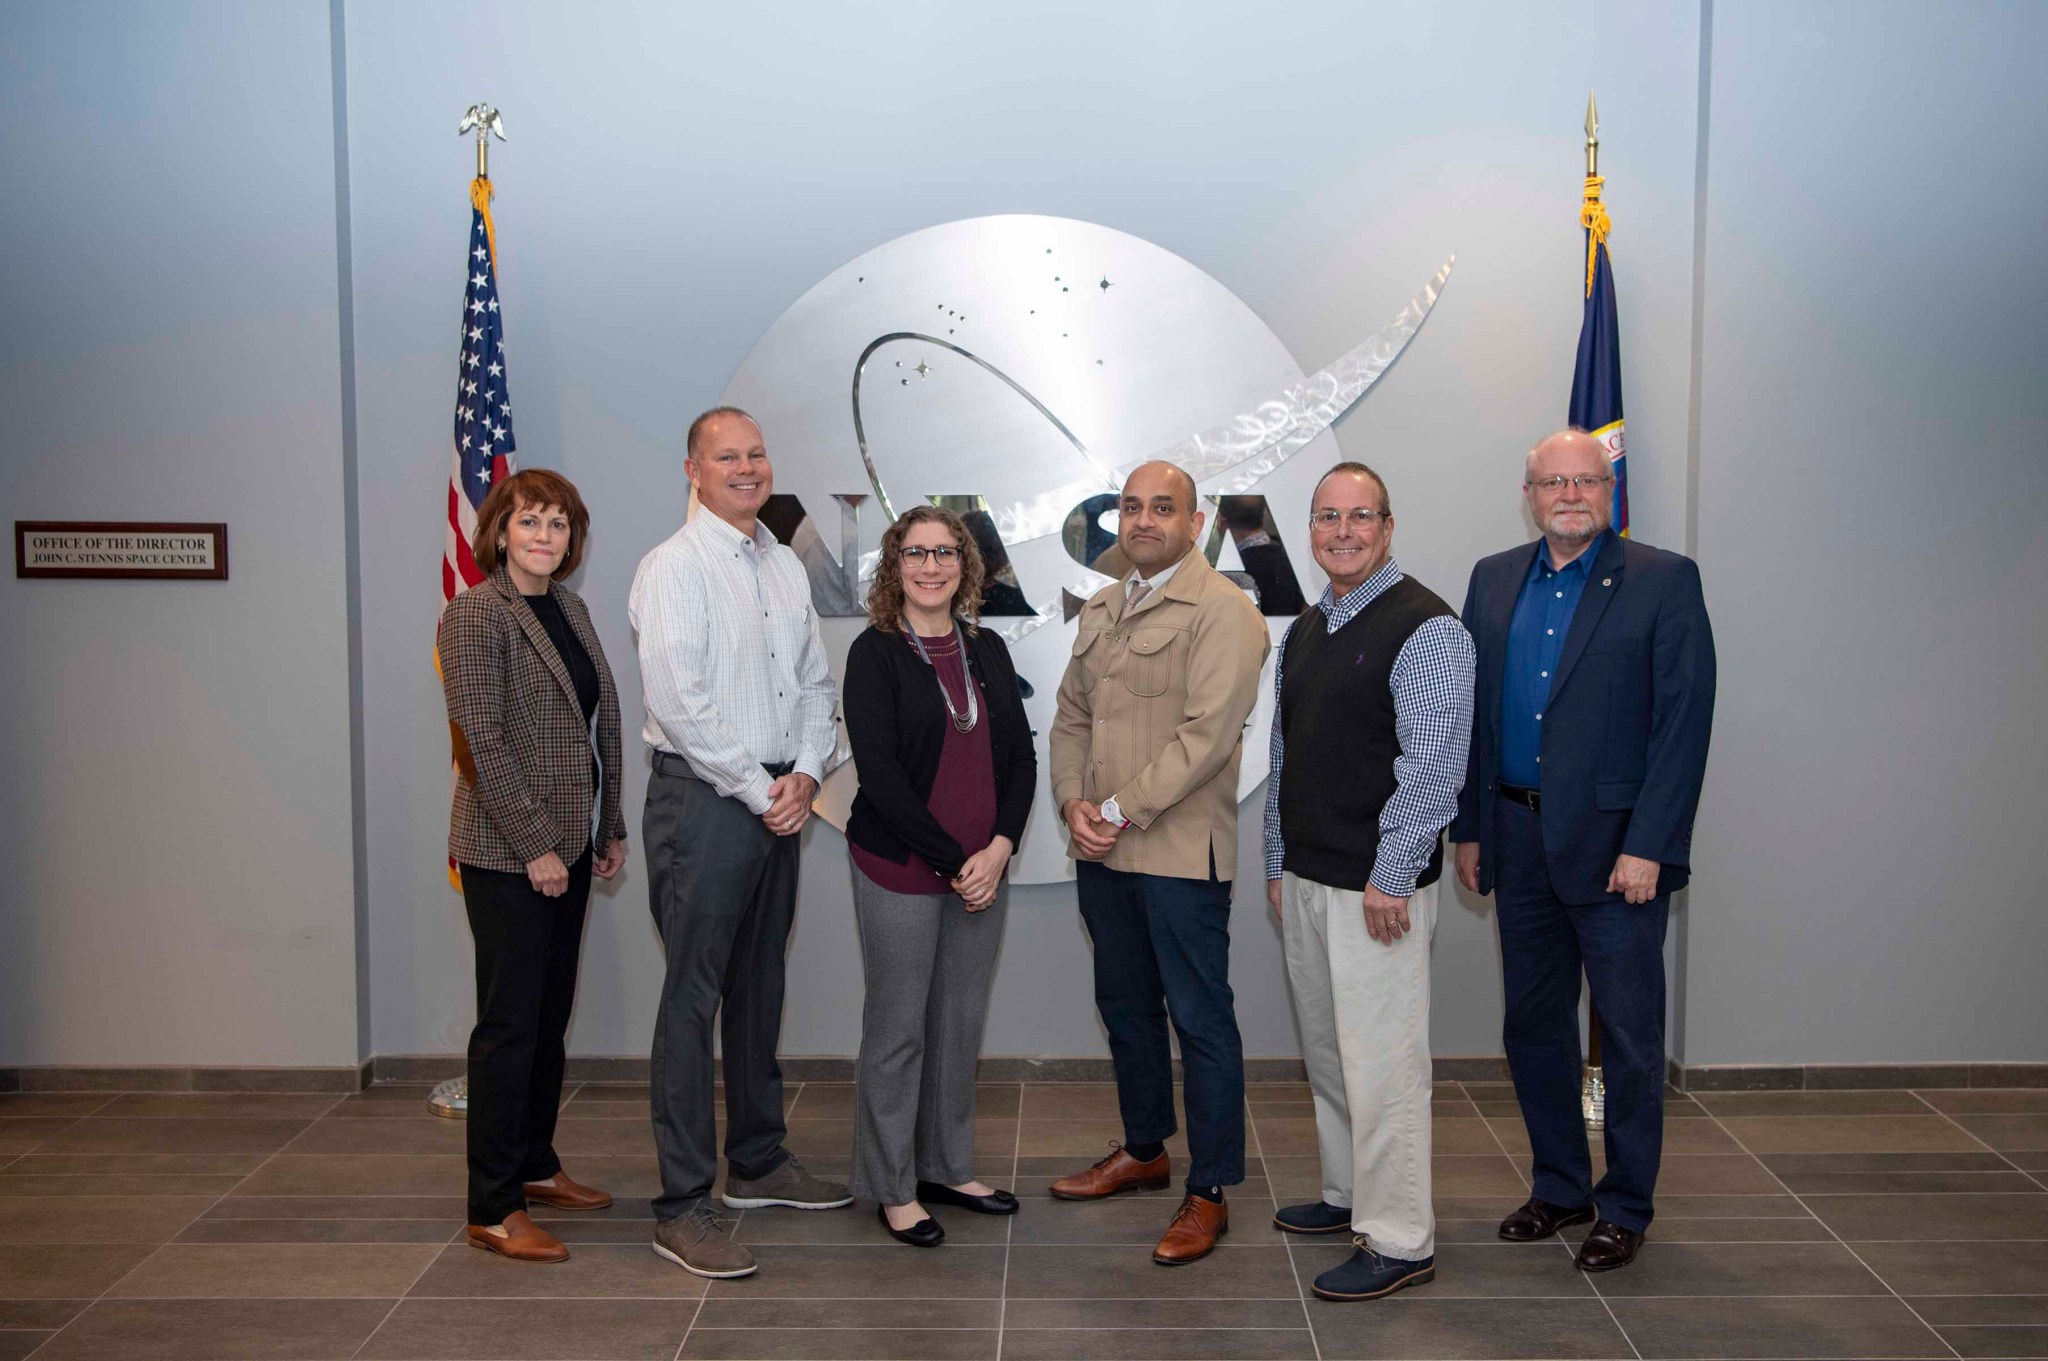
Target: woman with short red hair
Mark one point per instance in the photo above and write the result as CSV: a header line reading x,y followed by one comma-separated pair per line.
x,y
535,721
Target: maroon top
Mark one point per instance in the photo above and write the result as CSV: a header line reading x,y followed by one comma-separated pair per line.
x,y
963,795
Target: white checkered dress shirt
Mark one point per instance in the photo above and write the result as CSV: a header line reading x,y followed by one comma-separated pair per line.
x,y
1432,688
730,661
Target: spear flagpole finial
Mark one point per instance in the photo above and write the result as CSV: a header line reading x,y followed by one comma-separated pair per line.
x,y
1592,136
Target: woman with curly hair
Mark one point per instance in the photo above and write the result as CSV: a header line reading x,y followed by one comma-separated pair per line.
x,y
947,771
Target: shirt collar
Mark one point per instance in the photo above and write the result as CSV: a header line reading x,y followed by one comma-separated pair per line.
x,y
1157,580
1339,612
1582,564
726,534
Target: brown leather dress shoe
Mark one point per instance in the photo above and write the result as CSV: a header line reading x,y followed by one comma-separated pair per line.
x,y
1193,1233
1607,1247
566,1194
525,1241
1118,1172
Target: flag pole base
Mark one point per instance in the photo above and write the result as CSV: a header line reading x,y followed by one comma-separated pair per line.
x,y
1593,1100
451,1098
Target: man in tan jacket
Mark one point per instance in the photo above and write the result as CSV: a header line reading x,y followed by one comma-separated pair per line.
x,y
1145,750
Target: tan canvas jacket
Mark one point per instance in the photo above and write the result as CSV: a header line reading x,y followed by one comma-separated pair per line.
x,y
522,750
1152,711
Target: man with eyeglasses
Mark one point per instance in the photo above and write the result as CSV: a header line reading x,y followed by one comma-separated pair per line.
x,y
1372,715
1594,702
739,716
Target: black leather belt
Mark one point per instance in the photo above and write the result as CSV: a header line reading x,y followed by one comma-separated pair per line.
x,y
668,763
1530,799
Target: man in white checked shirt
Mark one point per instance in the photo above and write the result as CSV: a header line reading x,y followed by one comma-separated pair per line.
x,y
1373,714
739,716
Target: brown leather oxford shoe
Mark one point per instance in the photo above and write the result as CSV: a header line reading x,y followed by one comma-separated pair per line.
x,y
524,1241
1118,1172
1193,1233
566,1194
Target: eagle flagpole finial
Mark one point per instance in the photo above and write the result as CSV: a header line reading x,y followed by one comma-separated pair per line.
x,y
484,121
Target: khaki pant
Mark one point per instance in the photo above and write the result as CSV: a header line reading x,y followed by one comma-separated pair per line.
x,y
1363,1011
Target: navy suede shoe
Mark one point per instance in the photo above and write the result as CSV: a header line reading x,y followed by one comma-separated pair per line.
x,y
1368,1276
1321,1217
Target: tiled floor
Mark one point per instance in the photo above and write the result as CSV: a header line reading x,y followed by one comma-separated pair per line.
x,y
1791,1225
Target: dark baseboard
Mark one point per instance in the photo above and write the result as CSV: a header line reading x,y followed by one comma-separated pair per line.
x,y
627,1068
92,1078
1846,1077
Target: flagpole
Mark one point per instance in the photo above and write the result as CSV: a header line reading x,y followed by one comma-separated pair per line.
x,y
1593,1088
450,1098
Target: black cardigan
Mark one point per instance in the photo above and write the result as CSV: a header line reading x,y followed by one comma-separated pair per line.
x,y
896,722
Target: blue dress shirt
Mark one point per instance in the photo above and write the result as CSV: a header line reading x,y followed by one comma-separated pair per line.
x,y
1536,634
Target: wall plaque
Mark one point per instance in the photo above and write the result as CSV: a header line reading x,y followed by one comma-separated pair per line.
x,y
120,549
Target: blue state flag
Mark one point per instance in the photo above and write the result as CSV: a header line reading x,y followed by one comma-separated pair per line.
x,y
1596,378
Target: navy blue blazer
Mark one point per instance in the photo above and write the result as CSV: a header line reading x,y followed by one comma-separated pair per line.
x,y
1625,731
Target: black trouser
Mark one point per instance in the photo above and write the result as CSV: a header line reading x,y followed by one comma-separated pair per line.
x,y
722,888
526,951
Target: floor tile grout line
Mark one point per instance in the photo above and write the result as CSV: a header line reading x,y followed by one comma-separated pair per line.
x,y
1907,1304
1293,1268
1970,1133
695,1314
1592,1285
1009,1229
153,1253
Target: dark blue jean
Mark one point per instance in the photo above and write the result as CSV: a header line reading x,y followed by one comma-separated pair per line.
x,y
1162,947
1544,946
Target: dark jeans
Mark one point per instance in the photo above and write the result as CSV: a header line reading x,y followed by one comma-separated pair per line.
x,y
526,952
722,888
1544,946
1162,945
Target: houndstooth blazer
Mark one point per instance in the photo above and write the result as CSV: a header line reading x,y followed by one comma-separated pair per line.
x,y
522,750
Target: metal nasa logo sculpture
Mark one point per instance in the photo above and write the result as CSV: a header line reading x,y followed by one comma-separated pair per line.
x,y
1015,369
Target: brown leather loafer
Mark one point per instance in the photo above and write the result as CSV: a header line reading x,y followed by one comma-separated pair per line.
x,y
1118,1172
566,1194
1538,1219
1609,1246
525,1241
1193,1233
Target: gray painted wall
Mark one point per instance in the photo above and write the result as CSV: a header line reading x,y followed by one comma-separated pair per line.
x,y
179,884
678,177
1874,462
659,207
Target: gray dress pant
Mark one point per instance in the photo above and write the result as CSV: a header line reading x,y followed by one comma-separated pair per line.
x,y
928,962
722,888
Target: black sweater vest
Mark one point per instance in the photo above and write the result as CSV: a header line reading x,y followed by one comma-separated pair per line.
x,y
1337,719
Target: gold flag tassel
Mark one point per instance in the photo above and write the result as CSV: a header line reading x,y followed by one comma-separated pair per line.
x,y
480,199
1592,216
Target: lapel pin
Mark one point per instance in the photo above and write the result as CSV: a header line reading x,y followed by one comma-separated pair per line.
x,y
1606,581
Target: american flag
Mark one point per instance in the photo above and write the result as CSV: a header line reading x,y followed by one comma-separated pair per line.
x,y
483,419
483,444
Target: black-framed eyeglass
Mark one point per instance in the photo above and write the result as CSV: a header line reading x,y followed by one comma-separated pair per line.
x,y
915,555
1360,518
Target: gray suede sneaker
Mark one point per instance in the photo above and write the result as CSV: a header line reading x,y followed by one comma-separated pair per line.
x,y
701,1243
787,1185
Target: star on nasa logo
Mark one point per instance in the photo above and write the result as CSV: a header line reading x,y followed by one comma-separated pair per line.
x,y
962,365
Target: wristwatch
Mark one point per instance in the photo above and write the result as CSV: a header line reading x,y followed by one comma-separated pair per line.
x,y
1112,813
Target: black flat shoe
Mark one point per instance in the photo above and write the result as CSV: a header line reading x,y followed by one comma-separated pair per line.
x,y
925,1233
1539,1219
994,1203
1609,1246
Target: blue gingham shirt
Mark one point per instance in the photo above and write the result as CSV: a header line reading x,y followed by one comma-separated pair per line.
x,y
1432,688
